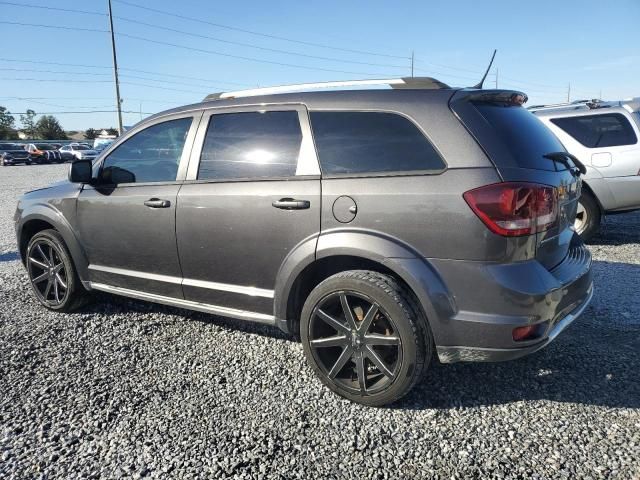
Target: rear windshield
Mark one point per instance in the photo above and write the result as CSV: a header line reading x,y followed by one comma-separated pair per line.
x,y
524,135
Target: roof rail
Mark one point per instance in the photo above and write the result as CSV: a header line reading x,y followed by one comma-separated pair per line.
x,y
575,105
422,83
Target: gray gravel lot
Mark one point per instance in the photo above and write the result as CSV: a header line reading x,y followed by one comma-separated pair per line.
x,y
131,389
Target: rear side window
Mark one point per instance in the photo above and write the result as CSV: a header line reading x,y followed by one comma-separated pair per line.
x,y
251,145
595,131
524,135
371,142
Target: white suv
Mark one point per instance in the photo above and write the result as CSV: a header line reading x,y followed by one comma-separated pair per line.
x,y
604,136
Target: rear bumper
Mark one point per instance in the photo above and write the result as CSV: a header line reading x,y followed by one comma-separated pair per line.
x,y
493,299
482,354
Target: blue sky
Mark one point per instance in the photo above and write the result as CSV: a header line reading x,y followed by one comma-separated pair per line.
x,y
542,46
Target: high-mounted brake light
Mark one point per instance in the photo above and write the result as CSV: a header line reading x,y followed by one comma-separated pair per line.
x,y
514,209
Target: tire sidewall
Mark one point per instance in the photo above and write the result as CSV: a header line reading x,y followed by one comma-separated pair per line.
x,y
392,309
593,216
52,237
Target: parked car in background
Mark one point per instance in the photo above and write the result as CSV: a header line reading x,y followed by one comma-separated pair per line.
x,y
43,153
12,154
78,151
100,144
604,137
383,226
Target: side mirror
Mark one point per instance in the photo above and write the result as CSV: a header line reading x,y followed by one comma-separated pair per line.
x,y
80,171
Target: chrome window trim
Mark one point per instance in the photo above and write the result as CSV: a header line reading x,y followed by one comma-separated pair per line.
x,y
307,158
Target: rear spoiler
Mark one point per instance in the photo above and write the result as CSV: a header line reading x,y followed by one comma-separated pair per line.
x,y
505,97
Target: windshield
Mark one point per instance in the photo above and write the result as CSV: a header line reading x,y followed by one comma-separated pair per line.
x,y
45,147
80,147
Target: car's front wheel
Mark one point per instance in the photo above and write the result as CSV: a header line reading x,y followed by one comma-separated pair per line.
x,y
588,216
365,337
52,274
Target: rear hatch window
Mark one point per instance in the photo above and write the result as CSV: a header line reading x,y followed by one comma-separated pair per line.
x,y
524,135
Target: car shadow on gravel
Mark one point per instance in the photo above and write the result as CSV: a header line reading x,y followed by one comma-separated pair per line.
x,y
594,362
620,229
108,304
9,257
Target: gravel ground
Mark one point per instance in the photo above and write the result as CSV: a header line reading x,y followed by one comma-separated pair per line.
x,y
131,389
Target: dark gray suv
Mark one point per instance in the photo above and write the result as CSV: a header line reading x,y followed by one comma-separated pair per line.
x,y
382,226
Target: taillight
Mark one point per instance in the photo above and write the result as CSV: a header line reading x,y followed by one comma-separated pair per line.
x,y
514,209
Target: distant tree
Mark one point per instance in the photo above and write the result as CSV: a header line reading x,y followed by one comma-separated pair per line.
x,y
29,123
90,134
48,128
112,131
7,125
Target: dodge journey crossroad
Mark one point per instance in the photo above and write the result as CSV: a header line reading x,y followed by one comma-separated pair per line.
x,y
384,227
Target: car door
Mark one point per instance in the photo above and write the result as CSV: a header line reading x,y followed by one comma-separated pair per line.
x,y
609,141
127,220
251,196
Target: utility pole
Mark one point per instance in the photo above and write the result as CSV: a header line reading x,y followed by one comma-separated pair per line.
x,y
496,78
569,93
115,70
412,59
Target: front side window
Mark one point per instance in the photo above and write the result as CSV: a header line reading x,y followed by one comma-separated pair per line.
x,y
596,131
251,145
152,155
371,142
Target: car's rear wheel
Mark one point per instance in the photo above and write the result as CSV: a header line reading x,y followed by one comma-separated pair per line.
x,y
365,337
52,274
588,216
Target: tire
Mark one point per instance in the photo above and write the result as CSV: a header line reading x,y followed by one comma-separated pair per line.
x,y
387,337
588,217
52,275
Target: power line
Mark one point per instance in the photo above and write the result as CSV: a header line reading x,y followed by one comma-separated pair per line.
x,y
78,112
202,50
57,27
50,71
82,99
258,47
161,74
43,7
55,80
260,34
250,59
59,80
228,27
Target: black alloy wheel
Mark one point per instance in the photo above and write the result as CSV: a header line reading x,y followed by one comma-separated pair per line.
x,y
47,273
52,274
365,336
355,342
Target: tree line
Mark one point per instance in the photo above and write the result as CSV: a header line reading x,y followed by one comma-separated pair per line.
x,y
47,127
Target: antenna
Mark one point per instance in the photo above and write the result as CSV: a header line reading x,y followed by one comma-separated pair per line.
x,y
479,85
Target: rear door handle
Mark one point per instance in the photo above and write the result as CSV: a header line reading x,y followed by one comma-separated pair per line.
x,y
291,204
157,203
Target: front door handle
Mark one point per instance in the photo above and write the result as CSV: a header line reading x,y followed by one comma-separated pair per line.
x,y
291,204
157,203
